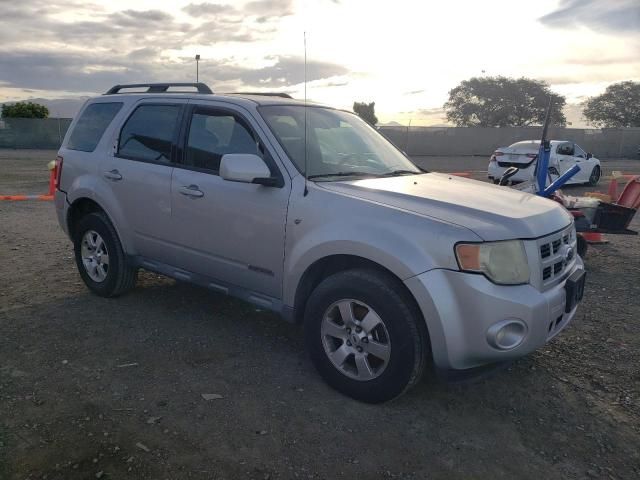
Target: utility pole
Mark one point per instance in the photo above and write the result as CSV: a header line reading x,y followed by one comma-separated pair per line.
x,y
197,72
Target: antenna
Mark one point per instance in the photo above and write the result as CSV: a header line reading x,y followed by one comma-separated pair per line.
x,y
306,173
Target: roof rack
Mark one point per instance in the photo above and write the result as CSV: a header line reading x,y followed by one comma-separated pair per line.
x,y
264,94
158,87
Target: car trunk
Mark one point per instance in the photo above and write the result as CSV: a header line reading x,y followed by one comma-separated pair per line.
x,y
515,157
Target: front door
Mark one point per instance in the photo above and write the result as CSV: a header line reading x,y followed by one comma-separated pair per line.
x,y
580,159
564,157
230,231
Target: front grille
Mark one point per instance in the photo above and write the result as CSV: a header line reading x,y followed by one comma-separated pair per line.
x,y
557,255
545,250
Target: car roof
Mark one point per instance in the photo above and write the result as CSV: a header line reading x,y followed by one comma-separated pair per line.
x,y
537,142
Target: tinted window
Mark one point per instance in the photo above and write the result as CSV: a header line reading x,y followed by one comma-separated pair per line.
x,y
91,125
213,134
149,132
565,149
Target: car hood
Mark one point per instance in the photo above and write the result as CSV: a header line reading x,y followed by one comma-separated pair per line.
x,y
490,211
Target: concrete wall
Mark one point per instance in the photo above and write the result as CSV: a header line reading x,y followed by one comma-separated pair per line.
x,y
606,143
603,143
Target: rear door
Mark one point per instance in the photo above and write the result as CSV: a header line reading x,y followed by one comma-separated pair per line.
x,y
230,231
139,174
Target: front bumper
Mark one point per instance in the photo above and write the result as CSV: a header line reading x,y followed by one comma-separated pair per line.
x,y
460,310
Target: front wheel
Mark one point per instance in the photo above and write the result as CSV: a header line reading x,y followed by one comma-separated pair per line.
x,y
594,178
365,335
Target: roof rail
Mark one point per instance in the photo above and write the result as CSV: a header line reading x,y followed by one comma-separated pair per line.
x,y
265,94
158,87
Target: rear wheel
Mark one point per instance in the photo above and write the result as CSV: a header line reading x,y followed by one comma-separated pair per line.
x,y
365,337
100,258
594,178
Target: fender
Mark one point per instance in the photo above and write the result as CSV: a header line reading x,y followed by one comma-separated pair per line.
x,y
402,249
87,186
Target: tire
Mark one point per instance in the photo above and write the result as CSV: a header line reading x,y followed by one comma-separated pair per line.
x,y
583,246
401,330
594,177
94,238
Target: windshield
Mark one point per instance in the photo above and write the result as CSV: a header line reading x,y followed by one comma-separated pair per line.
x,y
339,144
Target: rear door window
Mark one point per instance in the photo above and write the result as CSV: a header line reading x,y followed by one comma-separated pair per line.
x,y
149,133
91,125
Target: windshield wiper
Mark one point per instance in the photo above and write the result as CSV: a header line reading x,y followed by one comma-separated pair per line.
x,y
400,172
344,174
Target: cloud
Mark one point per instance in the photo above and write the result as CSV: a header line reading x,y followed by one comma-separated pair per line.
x,y
290,71
270,8
89,49
84,72
206,9
599,15
602,58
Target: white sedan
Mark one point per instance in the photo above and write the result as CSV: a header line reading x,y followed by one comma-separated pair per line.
x,y
564,155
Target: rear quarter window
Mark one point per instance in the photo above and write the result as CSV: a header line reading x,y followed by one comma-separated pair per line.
x,y
92,123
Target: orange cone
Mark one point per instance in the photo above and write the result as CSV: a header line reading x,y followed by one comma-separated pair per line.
x,y
53,172
594,238
613,189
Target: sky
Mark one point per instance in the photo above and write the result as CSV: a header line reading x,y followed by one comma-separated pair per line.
x,y
404,55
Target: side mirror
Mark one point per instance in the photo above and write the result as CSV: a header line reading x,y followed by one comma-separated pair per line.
x,y
246,168
589,155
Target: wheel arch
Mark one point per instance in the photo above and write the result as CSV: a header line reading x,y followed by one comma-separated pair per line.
x,y
84,205
78,209
331,264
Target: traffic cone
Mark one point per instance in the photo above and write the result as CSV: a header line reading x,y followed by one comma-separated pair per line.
x,y
594,238
53,172
613,189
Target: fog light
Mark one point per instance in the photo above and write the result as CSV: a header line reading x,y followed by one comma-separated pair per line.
x,y
507,334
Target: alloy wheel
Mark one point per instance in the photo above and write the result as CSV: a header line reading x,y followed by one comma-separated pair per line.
x,y
355,339
95,256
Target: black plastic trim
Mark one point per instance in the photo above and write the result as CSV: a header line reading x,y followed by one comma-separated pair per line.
x,y
160,87
259,299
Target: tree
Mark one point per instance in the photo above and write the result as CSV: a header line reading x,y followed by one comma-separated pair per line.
x,y
618,106
366,111
24,110
503,102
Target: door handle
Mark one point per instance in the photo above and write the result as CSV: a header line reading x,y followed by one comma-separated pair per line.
x,y
191,191
113,175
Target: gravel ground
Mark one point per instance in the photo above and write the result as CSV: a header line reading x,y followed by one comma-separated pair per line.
x,y
113,388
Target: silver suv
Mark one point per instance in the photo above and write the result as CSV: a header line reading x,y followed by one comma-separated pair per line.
x,y
308,211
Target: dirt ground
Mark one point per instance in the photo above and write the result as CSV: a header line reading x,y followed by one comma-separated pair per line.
x,y
113,388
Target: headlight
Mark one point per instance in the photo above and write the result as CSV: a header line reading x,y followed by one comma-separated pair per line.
x,y
502,262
